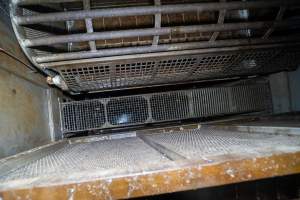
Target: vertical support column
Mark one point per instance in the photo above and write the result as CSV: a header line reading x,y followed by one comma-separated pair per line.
x,y
150,117
157,23
280,91
278,18
106,124
69,26
221,19
190,95
89,24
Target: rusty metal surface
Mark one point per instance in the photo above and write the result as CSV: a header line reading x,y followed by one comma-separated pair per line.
x,y
81,170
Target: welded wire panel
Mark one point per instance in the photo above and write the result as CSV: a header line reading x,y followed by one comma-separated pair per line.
x,y
211,101
206,142
128,73
175,69
249,98
170,106
127,110
83,116
166,106
90,156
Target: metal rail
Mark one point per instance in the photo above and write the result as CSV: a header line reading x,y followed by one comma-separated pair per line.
x,y
91,36
159,48
149,10
34,2
167,54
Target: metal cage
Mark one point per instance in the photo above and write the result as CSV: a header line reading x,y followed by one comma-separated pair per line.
x,y
99,45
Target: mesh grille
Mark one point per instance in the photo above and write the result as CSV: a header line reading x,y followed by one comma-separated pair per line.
x,y
207,142
175,69
166,106
249,98
84,116
170,106
210,102
128,110
253,60
133,73
160,70
102,157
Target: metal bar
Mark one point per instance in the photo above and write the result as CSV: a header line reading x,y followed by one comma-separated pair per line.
x,y
89,24
278,18
170,53
35,2
149,10
171,155
146,32
222,14
157,19
159,48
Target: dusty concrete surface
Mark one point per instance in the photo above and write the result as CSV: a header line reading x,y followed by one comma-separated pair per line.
x,y
23,115
24,105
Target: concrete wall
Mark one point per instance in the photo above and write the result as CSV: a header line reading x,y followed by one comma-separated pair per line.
x,y
25,113
294,86
285,87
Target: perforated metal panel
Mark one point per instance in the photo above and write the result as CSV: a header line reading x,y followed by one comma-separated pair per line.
x,y
165,106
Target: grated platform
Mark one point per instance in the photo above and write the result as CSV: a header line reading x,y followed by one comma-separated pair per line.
x,y
144,163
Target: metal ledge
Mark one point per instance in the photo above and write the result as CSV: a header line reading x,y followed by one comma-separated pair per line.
x,y
133,168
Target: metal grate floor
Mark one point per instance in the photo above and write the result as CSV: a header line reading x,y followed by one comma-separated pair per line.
x,y
134,153
205,143
99,155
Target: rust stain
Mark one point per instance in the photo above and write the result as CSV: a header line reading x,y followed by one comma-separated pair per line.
x,y
190,176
